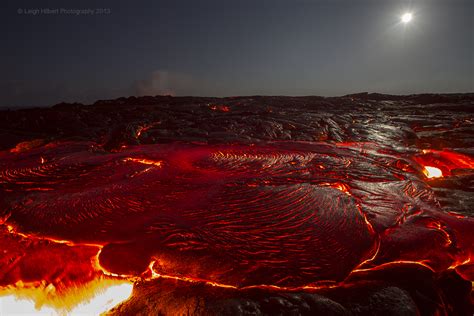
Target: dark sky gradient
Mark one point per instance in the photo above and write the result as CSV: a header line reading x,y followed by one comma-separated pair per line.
x,y
225,48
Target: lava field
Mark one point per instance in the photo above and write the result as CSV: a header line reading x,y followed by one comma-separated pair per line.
x,y
354,205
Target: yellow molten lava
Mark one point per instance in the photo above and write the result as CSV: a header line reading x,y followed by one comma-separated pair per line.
x,y
145,161
93,299
432,172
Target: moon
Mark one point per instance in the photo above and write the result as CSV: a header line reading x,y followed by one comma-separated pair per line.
x,y
406,17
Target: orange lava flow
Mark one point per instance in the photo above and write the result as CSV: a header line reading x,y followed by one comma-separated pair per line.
x,y
145,128
93,298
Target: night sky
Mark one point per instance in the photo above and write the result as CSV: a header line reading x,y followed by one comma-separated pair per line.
x,y
228,48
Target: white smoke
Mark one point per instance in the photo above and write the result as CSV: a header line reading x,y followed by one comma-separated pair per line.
x,y
162,82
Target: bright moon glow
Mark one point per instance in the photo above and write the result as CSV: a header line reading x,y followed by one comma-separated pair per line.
x,y
100,303
407,17
433,172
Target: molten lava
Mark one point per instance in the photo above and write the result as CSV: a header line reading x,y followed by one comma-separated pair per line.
x,y
94,298
443,163
79,218
432,172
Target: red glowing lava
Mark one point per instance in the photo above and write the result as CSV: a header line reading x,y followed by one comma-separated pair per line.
x,y
231,216
444,163
220,108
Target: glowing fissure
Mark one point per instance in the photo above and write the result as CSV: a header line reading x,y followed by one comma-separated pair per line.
x,y
14,231
322,284
145,161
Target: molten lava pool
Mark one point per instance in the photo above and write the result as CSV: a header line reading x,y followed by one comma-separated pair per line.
x,y
81,217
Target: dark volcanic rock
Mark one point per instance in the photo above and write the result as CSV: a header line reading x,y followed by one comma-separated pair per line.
x,y
283,205
390,301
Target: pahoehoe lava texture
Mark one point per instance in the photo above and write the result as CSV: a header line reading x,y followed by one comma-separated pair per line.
x,y
244,192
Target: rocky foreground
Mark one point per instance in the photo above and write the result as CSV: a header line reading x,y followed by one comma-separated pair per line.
x,y
355,205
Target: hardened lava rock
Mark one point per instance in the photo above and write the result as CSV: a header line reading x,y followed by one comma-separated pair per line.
x,y
282,203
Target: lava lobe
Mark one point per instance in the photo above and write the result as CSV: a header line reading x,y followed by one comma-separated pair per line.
x,y
325,193
284,214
